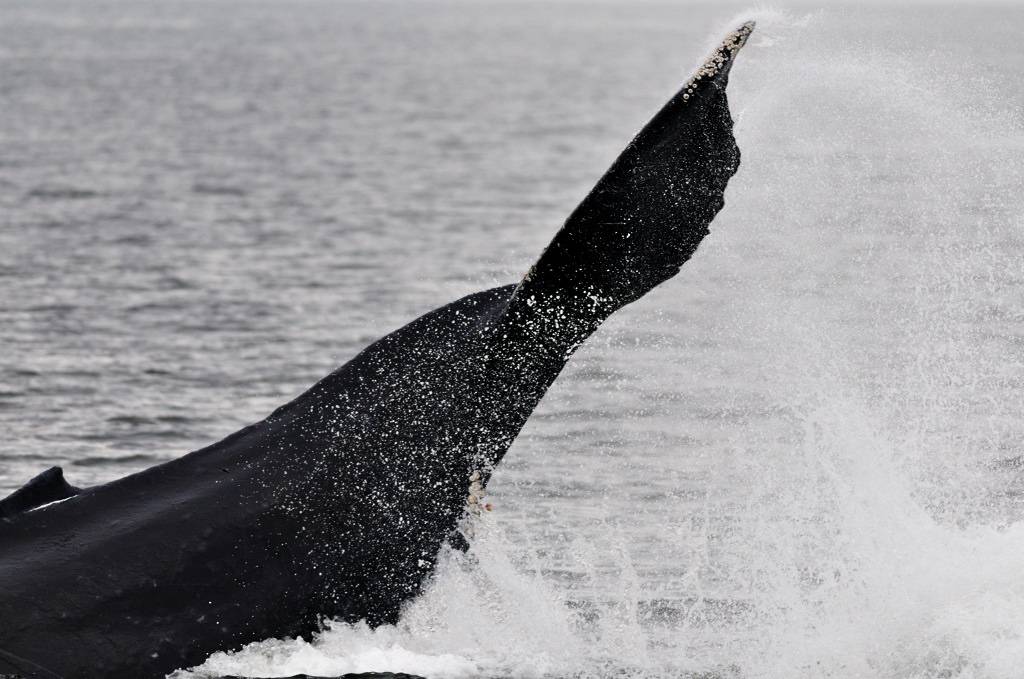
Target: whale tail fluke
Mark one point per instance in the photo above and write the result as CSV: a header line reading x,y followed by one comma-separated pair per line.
x,y
645,217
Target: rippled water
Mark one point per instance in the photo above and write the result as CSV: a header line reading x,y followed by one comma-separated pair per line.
x,y
800,458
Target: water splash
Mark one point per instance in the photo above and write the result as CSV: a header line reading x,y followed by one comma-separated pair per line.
x,y
838,515
482,615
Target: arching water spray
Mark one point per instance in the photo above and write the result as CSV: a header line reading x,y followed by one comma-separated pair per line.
x,y
825,482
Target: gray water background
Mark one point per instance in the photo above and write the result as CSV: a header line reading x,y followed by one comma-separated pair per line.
x,y
207,206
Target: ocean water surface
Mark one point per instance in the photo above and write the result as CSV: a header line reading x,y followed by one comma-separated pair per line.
x,y
803,457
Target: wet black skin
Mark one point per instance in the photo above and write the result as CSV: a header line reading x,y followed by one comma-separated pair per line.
x,y
338,503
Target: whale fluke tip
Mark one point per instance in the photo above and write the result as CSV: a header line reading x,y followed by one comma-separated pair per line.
x,y
716,67
644,218
744,31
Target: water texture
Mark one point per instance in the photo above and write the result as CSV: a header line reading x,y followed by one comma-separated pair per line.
x,y
803,457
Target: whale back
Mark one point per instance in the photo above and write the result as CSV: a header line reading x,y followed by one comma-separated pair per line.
x,y
336,505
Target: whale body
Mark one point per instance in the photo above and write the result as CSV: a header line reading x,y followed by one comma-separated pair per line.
x,y
338,503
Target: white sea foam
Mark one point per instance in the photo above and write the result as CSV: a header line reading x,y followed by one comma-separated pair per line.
x,y
340,649
480,616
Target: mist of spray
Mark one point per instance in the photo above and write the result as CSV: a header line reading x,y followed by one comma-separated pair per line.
x,y
860,515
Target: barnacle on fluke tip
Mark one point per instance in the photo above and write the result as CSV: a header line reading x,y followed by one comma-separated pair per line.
x,y
721,58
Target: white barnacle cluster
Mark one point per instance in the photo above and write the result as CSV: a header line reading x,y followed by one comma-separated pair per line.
x,y
719,58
